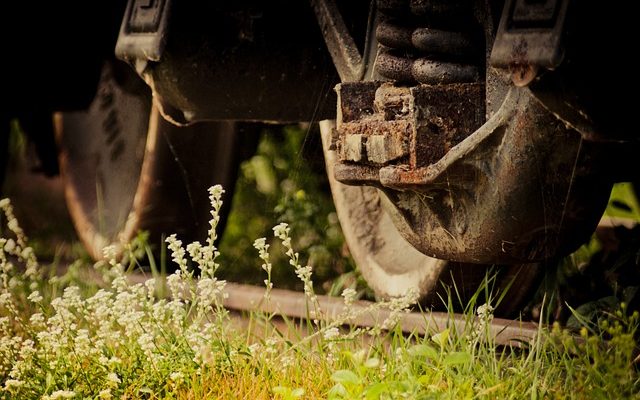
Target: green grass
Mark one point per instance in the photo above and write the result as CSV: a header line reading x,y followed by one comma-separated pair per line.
x,y
68,337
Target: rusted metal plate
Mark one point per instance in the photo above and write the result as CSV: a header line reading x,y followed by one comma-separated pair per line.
x,y
379,122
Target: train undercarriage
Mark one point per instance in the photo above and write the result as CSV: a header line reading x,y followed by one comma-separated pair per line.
x,y
457,135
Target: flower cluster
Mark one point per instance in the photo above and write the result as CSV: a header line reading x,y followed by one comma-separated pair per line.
x,y
69,345
58,342
281,231
482,324
263,252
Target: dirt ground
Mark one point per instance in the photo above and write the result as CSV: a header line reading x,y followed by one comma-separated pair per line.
x,y
39,206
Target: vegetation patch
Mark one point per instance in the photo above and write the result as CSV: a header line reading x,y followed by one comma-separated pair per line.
x,y
170,337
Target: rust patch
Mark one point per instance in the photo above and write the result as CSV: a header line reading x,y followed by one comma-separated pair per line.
x,y
407,127
444,115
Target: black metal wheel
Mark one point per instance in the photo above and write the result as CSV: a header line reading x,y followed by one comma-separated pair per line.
x,y
126,169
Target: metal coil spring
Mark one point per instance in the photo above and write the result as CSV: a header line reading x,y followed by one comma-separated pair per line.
x,y
427,41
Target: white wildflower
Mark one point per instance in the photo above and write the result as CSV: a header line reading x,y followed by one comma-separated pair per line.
x,y
150,285
215,197
270,347
35,297
210,290
12,384
176,377
110,253
72,297
82,344
349,296
485,311
105,394
62,394
281,231
5,299
286,362
195,252
331,333
481,325
254,348
177,252
37,320
9,245
215,193
178,285
397,306
4,324
145,341
263,252
113,379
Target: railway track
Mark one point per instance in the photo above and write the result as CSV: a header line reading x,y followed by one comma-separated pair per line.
x,y
291,304
294,305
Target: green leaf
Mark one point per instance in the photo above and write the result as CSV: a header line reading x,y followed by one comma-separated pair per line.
x,y
457,358
423,351
441,338
338,391
345,376
146,390
374,391
623,202
425,379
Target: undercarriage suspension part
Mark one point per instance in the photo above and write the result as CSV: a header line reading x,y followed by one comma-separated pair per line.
x,y
529,38
427,42
392,267
243,60
520,187
412,125
457,189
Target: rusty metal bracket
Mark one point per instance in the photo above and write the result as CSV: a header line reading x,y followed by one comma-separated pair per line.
x,y
380,124
143,32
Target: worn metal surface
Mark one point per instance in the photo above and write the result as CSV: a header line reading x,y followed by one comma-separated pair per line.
x,y
143,32
497,193
392,267
423,70
243,60
414,126
344,52
530,34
